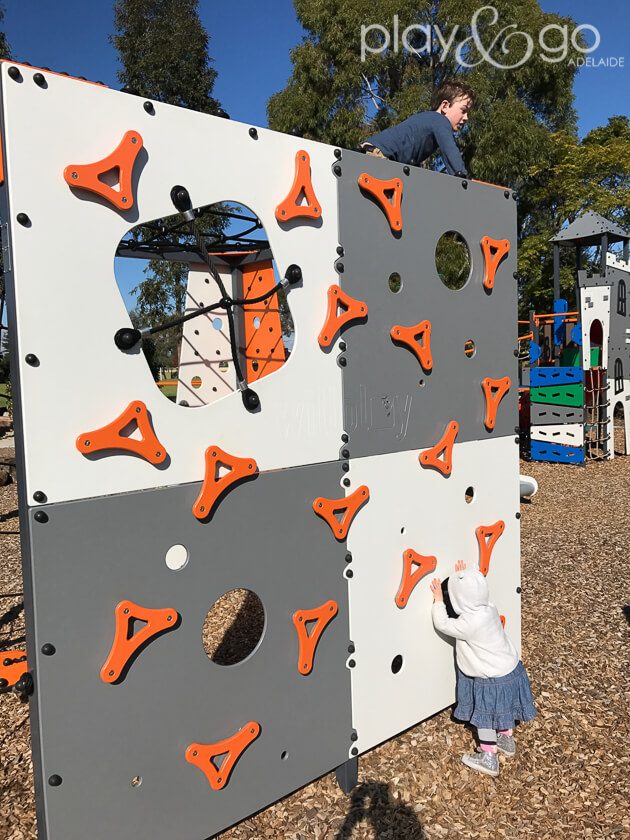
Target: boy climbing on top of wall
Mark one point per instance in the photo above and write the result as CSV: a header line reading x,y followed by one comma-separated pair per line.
x,y
416,138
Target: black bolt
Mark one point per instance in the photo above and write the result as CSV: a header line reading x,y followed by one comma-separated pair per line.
x,y
506,193
41,517
148,107
339,266
14,73
345,438
55,780
345,453
351,648
515,275
48,649
337,169
223,114
39,80
354,751
351,663
293,274
518,515
465,184
516,352
31,359
4,683
126,338
340,250
23,219
345,466
342,361
253,134
517,430
354,737
251,400
39,496
515,196
406,170
349,573
517,440
342,345
346,482
518,590
337,153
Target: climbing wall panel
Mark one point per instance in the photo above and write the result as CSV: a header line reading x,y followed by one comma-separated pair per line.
x,y
206,371
64,256
99,736
418,509
391,402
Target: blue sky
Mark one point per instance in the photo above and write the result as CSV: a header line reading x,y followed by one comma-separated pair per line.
x,y
250,44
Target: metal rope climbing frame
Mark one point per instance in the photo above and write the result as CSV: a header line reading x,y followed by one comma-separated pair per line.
x,y
308,497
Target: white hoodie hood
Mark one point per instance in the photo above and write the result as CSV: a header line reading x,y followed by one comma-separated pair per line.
x,y
482,648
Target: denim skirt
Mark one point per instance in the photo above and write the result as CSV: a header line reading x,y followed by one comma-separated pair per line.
x,y
495,702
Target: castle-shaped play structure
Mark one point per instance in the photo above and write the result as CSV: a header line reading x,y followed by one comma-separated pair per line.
x,y
578,377
330,482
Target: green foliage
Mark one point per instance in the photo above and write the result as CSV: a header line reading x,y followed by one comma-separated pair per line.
x,y
592,174
5,49
163,49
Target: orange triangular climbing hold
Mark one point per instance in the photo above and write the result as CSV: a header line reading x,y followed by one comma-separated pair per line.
x,y
433,457
111,436
417,339
494,390
493,252
125,645
351,309
87,176
327,508
290,208
411,577
215,484
388,194
487,536
203,755
322,616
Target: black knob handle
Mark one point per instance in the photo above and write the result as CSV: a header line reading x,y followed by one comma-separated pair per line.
x,y
251,400
181,198
294,274
126,338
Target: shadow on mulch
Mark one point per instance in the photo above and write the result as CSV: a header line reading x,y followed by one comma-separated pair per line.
x,y
371,802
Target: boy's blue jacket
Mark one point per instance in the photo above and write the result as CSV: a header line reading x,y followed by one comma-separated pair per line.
x,y
417,137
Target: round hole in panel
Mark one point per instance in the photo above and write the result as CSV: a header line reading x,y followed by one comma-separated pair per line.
x,y
196,382
469,348
256,322
452,260
469,495
397,663
136,781
402,530
217,323
421,383
234,627
176,557
394,282
284,755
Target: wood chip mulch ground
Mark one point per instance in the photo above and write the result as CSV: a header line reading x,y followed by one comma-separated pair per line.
x,y
571,776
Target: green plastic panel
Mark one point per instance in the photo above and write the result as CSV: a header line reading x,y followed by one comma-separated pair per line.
x,y
559,395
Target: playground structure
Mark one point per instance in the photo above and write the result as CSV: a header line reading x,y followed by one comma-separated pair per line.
x,y
579,362
330,483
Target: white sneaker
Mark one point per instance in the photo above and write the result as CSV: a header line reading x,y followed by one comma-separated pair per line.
x,y
483,762
506,744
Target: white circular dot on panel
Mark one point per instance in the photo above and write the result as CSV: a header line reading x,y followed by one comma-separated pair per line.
x,y
176,557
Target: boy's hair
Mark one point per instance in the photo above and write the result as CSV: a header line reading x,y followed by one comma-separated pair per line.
x,y
451,90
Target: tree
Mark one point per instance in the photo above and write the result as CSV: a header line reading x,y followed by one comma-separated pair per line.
x,y
335,96
5,50
592,174
163,49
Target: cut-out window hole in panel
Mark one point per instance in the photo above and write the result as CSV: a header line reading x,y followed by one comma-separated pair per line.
x,y
233,627
452,260
163,278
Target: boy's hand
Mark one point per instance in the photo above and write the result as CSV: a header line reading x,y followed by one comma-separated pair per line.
x,y
460,566
436,589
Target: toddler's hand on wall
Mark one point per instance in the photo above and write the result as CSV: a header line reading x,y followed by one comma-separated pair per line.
x,y
436,589
460,566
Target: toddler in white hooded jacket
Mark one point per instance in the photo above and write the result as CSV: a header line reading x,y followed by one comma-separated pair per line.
x,y
493,690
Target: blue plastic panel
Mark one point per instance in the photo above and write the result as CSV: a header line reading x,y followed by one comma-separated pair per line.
x,y
558,454
555,376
